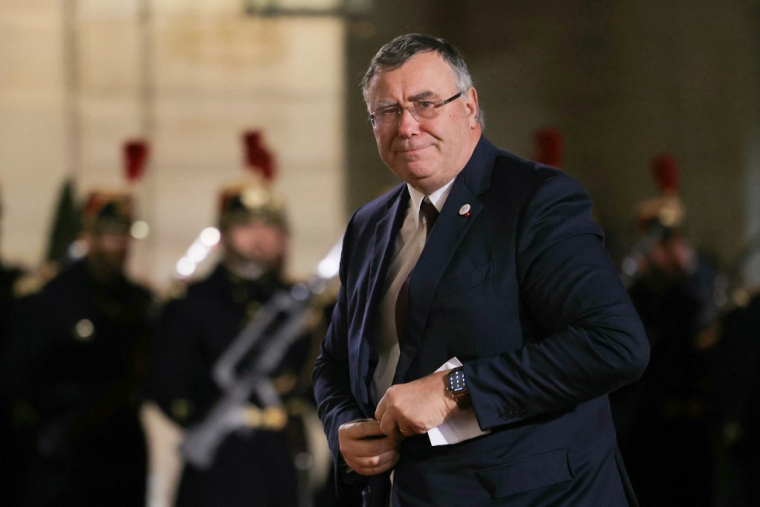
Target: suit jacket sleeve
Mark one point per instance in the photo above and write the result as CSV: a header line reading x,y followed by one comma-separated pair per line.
x,y
336,403
593,341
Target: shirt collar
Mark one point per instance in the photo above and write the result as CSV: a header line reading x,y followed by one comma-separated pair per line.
x,y
438,198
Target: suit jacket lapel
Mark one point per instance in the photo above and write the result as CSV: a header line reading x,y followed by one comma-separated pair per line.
x,y
381,250
450,228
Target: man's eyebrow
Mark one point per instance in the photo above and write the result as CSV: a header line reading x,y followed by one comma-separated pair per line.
x,y
385,103
422,95
414,98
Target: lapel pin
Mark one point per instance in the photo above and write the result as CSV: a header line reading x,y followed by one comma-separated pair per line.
x,y
465,210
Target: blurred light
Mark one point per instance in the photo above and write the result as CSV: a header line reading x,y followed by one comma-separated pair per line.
x,y
185,266
299,292
741,297
206,241
140,230
304,461
197,252
210,236
84,329
328,267
630,266
77,249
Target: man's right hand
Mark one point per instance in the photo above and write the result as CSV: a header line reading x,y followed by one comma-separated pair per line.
x,y
366,449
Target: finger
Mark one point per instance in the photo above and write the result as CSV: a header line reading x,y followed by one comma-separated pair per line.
x,y
374,447
380,410
362,428
376,464
388,424
377,460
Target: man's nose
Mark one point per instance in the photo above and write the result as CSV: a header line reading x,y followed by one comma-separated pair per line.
x,y
408,125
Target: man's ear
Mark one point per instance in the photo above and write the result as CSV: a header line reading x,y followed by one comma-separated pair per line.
x,y
471,103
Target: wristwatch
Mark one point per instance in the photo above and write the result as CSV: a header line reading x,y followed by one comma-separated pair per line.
x,y
456,386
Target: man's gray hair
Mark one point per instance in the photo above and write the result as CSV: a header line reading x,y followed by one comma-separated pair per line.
x,y
398,51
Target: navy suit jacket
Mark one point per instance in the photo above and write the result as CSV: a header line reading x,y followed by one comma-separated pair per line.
x,y
523,292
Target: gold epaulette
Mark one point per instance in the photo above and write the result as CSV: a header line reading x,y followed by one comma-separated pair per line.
x,y
742,296
176,290
33,282
270,418
181,409
285,382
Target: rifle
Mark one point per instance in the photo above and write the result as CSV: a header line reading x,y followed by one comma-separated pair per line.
x,y
629,271
246,365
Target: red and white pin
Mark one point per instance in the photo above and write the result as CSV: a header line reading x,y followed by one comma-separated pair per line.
x,y
465,210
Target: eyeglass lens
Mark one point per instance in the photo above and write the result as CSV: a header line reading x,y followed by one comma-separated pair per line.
x,y
420,111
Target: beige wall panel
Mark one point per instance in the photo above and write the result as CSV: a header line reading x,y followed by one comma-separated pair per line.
x,y
32,148
31,169
106,123
234,54
207,130
29,11
107,9
109,53
197,8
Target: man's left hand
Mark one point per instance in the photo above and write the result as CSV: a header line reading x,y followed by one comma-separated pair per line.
x,y
416,407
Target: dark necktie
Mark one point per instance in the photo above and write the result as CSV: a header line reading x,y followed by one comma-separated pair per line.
x,y
428,215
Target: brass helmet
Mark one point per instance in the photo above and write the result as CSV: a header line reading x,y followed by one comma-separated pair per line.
x,y
250,200
112,210
667,209
108,210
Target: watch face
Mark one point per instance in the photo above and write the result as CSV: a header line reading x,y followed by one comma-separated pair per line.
x,y
457,383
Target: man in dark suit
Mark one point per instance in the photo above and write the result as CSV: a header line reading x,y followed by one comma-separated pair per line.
x,y
512,280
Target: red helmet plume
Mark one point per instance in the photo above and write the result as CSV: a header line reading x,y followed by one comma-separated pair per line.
x,y
135,158
665,173
549,145
257,157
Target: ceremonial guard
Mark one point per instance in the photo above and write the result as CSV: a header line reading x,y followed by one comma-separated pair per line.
x,y
737,401
253,465
663,420
74,367
736,396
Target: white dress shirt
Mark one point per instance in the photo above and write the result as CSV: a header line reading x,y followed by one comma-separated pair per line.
x,y
409,244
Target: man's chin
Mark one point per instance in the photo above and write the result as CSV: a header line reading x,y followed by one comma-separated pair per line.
x,y
422,181
414,172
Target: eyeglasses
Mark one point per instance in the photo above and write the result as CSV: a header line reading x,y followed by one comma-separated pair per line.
x,y
421,110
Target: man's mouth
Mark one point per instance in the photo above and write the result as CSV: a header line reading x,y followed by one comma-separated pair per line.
x,y
411,149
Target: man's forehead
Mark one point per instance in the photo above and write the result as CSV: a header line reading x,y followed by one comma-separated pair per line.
x,y
425,74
